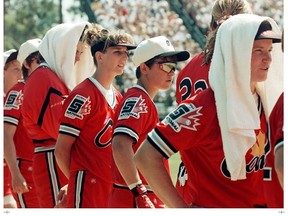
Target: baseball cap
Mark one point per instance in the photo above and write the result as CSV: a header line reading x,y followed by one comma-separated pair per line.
x,y
265,32
28,48
10,55
101,45
158,46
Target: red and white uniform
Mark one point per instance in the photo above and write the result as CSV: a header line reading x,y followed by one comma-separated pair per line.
x,y
44,94
136,116
23,144
203,156
273,190
7,190
89,117
191,80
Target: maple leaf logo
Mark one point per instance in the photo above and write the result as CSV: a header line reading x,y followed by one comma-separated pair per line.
x,y
14,100
185,116
259,146
86,107
133,107
78,107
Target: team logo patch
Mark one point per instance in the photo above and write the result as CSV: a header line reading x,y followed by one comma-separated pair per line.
x,y
186,116
14,100
133,107
78,107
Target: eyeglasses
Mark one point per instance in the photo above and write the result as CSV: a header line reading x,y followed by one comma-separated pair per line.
x,y
168,67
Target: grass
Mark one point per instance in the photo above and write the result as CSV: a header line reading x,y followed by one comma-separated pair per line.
x,y
174,162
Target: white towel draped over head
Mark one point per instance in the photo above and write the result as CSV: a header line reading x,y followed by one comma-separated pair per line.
x,y
229,77
58,48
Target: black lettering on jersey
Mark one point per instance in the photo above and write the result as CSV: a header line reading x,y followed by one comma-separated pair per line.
x,y
268,170
186,116
14,100
133,107
258,160
104,137
200,85
78,107
186,86
256,164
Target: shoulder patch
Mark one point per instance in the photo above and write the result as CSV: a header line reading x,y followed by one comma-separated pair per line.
x,y
186,116
133,107
78,107
14,100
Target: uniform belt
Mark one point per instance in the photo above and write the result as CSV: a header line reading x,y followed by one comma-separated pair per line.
x,y
44,149
125,187
43,140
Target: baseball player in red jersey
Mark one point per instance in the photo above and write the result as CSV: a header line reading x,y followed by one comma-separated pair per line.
x,y
193,78
12,73
42,104
274,167
156,60
83,149
273,178
18,147
201,131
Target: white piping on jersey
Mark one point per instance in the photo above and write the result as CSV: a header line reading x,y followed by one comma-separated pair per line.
x,y
108,94
53,176
127,131
11,120
70,130
43,149
79,183
161,144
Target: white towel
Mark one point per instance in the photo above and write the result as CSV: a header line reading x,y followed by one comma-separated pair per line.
x,y
230,80
58,48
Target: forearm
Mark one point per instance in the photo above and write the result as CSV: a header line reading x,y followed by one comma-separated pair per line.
x,y
150,163
63,161
123,156
10,150
63,152
279,166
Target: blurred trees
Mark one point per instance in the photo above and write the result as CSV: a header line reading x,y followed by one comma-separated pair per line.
x,y
24,20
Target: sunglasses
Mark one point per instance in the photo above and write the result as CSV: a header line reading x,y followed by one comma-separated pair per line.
x,y
168,67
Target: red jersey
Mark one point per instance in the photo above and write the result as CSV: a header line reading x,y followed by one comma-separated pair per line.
x,y
192,79
88,117
12,115
193,130
273,190
43,107
136,116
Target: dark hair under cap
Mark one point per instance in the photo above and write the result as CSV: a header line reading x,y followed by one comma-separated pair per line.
x,y
101,46
13,56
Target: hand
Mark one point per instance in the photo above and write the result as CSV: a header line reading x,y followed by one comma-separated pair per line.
x,y
62,197
141,198
19,184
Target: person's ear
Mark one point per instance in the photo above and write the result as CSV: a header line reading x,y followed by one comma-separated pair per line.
x,y
98,56
26,65
143,68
